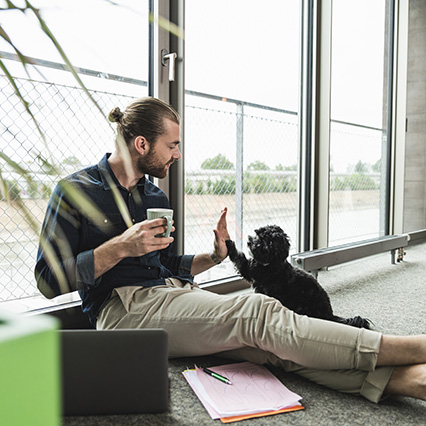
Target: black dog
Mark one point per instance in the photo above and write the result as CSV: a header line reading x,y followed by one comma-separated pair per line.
x,y
270,273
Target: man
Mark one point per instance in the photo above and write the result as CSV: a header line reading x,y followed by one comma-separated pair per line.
x,y
129,278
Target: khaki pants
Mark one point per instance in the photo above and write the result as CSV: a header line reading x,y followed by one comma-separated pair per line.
x,y
255,328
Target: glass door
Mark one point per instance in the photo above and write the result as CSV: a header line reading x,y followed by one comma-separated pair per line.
x,y
359,133
241,120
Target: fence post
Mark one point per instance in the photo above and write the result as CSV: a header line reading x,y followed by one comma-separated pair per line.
x,y
239,213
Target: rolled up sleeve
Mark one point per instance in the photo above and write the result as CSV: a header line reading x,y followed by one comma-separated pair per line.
x,y
86,271
185,264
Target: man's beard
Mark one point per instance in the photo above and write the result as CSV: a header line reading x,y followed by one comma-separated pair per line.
x,y
149,165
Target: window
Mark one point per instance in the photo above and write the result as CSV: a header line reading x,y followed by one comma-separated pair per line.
x,y
108,43
242,116
359,120
241,120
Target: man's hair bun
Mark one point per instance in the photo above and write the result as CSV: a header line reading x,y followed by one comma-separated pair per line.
x,y
115,115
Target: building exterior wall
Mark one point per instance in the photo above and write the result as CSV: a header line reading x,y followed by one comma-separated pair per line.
x,y
415,154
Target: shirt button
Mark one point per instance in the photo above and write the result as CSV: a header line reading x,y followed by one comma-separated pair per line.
x,y
133,220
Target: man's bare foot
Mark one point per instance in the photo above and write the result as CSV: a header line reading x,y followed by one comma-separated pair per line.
x,y
409,380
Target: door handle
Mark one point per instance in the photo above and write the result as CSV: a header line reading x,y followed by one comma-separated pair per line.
x,y
169,59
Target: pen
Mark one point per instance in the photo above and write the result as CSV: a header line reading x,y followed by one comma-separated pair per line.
x,y
217,376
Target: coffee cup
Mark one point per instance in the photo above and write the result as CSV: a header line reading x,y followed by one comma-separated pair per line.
x,y
158,213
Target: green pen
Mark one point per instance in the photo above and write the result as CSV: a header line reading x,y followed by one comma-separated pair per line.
x,y
217,376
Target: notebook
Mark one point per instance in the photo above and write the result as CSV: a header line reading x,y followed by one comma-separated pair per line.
x,y
114,371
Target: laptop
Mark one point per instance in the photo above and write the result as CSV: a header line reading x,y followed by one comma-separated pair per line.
x,y
114,371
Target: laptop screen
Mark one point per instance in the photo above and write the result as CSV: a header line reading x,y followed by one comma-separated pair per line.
x,y
114,371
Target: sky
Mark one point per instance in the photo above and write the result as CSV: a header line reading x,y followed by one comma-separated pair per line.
x,y
232,50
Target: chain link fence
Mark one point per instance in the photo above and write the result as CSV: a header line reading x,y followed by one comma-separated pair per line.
x,y
356,205
76,135
239,155
244,157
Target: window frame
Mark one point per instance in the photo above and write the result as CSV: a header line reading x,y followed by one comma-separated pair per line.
x,y
314,121
314,129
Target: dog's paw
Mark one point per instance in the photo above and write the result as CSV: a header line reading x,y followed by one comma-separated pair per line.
x,y
232,249
356,321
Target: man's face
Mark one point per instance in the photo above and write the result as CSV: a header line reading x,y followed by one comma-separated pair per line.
x,y
163,153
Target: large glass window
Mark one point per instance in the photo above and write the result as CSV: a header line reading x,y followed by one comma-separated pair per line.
x,y
107,42
241,119
358,128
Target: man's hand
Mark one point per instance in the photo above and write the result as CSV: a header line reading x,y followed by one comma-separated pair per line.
x,y
141,238
202,262
138,240
221,235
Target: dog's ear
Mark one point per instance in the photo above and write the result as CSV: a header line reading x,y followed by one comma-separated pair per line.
x,y
286,241
281,243
259,246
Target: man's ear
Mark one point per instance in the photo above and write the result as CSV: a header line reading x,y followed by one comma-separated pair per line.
x,y
141,145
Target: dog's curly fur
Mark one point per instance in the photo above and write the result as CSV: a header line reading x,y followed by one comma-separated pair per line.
x,y
270,273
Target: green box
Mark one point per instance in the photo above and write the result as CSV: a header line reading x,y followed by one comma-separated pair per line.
x,y
29,371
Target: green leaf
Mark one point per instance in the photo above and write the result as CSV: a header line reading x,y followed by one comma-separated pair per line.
x,y
53,262
49,168
58,47
121,204
165,24
21,98
23,59
29,218
4,190
83,202
17,168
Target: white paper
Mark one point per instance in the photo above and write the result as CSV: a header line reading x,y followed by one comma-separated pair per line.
x,y
254,389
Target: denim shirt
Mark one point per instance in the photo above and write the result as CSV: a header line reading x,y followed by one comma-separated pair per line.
x,y
73,235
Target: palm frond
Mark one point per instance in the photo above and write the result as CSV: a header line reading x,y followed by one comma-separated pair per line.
x,y
84,203
53,262
23,59
122,206
49,168
28,216
64,57
165,24
4,190
21,98
17,168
